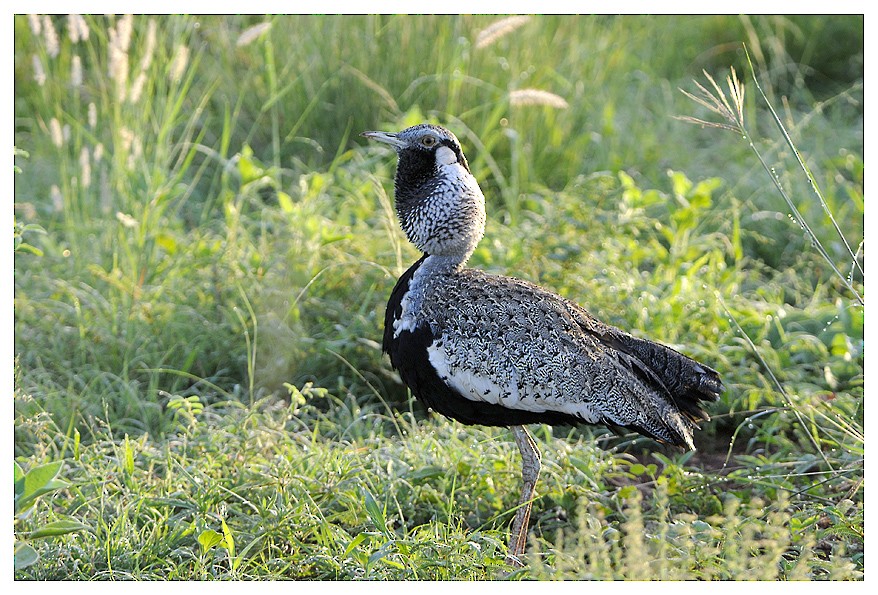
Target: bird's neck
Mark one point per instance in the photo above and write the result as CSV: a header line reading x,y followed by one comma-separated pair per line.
x,y
444,215
441,264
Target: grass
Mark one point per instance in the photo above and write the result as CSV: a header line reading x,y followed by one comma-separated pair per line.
x,y
204,250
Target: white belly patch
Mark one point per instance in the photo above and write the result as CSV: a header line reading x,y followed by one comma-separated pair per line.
x,y
510,391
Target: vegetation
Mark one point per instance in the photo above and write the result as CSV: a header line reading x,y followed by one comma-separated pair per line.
x,y
204,248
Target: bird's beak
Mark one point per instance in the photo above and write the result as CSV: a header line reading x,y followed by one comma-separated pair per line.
x,y
386,137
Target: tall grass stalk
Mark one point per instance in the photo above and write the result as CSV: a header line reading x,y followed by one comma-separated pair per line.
x,y
733,114
813,421
811,182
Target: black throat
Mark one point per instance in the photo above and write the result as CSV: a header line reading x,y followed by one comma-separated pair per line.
x,y
416,176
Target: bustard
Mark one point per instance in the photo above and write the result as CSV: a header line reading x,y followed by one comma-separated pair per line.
x,y
498,351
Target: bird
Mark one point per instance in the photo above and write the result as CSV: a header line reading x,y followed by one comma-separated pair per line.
x,y
491,350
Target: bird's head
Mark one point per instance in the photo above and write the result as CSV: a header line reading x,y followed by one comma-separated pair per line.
x,y
440,205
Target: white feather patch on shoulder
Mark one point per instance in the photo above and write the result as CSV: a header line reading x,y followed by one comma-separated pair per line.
x,y
445,156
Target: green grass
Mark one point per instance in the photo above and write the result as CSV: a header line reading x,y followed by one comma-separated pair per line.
x,y
187,256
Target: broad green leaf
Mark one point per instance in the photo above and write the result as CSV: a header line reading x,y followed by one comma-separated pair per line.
x,y
36,482
353,544
58,528
681,185
39,477
25,555
209,539
638,469
375,512
626,492
382,553
424,474
25,247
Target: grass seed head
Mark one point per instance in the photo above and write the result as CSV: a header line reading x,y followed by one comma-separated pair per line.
x,y
50,36
537,97
499,29
34,21
85,167
56,133
39,72
251,34
77,29
178,66
76,71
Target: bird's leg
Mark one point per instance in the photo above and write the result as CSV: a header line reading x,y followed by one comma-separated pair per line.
x,y
530,471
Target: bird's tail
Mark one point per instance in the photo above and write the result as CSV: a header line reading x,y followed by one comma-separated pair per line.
x,y
689,382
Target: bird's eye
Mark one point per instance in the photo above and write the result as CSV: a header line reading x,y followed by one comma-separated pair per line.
x,y
429,141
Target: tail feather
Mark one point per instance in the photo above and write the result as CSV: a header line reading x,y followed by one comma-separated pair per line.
x,y
687,381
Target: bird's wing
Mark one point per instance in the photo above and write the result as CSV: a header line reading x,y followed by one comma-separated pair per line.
x,y
513,344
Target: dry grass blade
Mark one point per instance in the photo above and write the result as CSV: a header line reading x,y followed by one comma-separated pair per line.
x,y
732,113
381,91
736,88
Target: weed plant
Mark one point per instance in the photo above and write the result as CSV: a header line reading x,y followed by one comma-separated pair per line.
x,y
204,250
